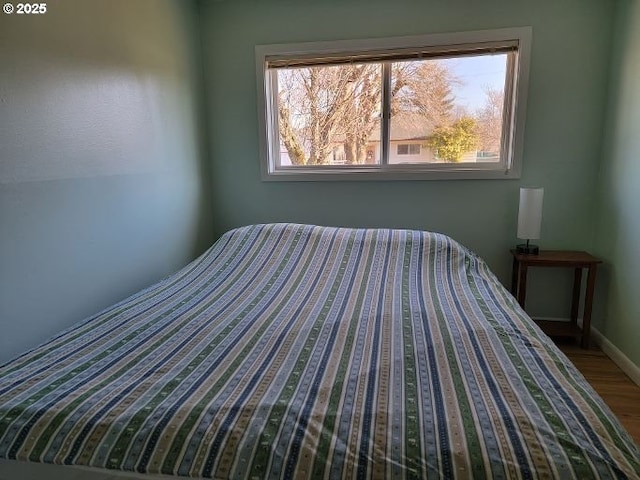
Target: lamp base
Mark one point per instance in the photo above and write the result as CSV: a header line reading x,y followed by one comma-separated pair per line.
x,y
526,249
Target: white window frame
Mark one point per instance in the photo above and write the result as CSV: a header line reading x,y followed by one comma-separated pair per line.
x,y
515,102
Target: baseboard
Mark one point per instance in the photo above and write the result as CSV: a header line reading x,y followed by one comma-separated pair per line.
x,y
614,353
627,366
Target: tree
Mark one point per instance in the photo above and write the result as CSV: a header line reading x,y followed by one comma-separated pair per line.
x,y
450,143
325,107
423,87
489,119
312,102
362,112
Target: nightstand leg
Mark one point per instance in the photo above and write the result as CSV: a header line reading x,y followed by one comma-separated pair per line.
x,y
522,286
575,302
514,277
588,303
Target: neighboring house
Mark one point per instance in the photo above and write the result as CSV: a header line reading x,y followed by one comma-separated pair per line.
x,y
408,144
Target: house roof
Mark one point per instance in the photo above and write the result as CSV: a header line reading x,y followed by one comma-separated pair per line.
x,y
407,126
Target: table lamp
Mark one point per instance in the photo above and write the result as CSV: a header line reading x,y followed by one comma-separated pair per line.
x,y
529,218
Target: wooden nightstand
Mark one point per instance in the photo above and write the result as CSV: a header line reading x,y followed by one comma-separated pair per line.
x,y
559,258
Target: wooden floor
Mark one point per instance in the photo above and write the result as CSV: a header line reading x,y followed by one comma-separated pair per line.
x,y
613,385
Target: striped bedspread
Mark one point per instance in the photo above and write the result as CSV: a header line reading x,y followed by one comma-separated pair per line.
x,y
295,351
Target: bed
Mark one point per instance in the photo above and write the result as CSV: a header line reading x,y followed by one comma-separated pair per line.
x,y
297,351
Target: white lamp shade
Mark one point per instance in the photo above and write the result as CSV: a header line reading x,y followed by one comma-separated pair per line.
x,y
530,213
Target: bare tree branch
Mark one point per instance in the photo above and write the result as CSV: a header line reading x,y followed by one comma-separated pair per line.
x,y
489,119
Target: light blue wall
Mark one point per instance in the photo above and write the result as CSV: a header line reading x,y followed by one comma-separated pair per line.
x,y
571,46
103,188
617,230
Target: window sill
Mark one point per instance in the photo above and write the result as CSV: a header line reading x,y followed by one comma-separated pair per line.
x,y
360,173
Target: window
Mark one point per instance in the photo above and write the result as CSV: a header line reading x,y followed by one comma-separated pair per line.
x,y
423,107
408,149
